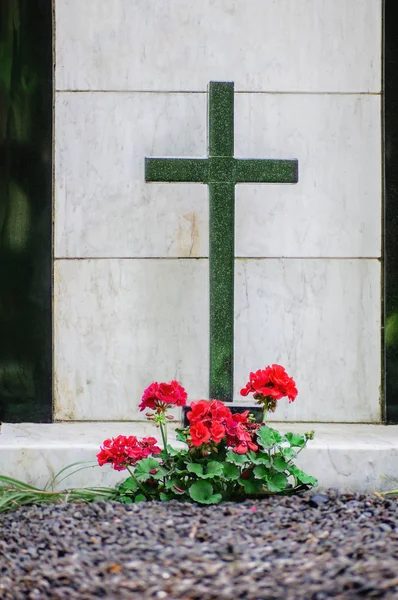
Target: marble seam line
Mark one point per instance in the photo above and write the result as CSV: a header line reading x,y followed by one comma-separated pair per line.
x,y
56,258
273,93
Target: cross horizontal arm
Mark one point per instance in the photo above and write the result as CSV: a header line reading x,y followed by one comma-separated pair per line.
x,y
178,170
253,170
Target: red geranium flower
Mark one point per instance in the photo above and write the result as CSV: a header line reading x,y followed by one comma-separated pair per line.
x,y
124,451
217,432
240,433
212,421
209,411
200,434
159,396
207,419
272,382
148,446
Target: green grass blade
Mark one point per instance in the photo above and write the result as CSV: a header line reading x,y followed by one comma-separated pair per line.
x,y
55,480
14,500
17,483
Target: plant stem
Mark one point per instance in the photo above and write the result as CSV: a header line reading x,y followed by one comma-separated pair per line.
x,y
136,480
163,432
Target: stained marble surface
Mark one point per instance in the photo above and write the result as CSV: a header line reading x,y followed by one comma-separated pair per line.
x,y
321,320
119,325
179,45
104,208
346,457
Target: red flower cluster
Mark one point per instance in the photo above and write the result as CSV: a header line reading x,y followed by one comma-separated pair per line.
x,y
124,451
272,382
159,396
240,433
212,421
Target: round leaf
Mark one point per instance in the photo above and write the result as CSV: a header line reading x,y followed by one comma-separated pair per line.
x,y
236,459
195,468
277,482
296,440
289,453
202,492
267,437
125,500
144,468
302,477
129,484
213,469
262,472
259,458
140,498
252,486
231,471
279,463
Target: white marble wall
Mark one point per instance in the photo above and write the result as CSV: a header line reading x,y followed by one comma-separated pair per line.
x,y
131,269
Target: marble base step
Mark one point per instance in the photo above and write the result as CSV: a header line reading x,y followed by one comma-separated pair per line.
x,y
347,457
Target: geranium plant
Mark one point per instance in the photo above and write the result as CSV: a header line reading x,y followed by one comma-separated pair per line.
x,y
225,456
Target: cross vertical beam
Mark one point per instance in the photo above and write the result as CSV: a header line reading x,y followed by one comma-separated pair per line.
x,y
221,239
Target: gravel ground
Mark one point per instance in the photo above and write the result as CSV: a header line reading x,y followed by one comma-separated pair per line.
x,y
302,547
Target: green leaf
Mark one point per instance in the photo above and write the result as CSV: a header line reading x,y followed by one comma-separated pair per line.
x,y
181,471
165,497
140,498
144,468
267,437
252,486
181,435
262,472
259,458
213,469
195,468
209,471
176,486
236,459
172,451
277,482
125,500
129,484
279,463
202,492
231,471
288,453
296,440
301,476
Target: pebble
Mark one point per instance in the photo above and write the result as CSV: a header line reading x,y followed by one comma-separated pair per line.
x,y
307,547
318,499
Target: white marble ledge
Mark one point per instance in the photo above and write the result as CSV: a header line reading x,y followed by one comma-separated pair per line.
x,y
347,457
71,434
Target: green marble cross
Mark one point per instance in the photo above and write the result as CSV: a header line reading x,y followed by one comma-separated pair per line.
x,y
221,172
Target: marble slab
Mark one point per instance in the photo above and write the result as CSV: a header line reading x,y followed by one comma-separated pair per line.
x,y
320,319
335,209
119,325
179,45
104,208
